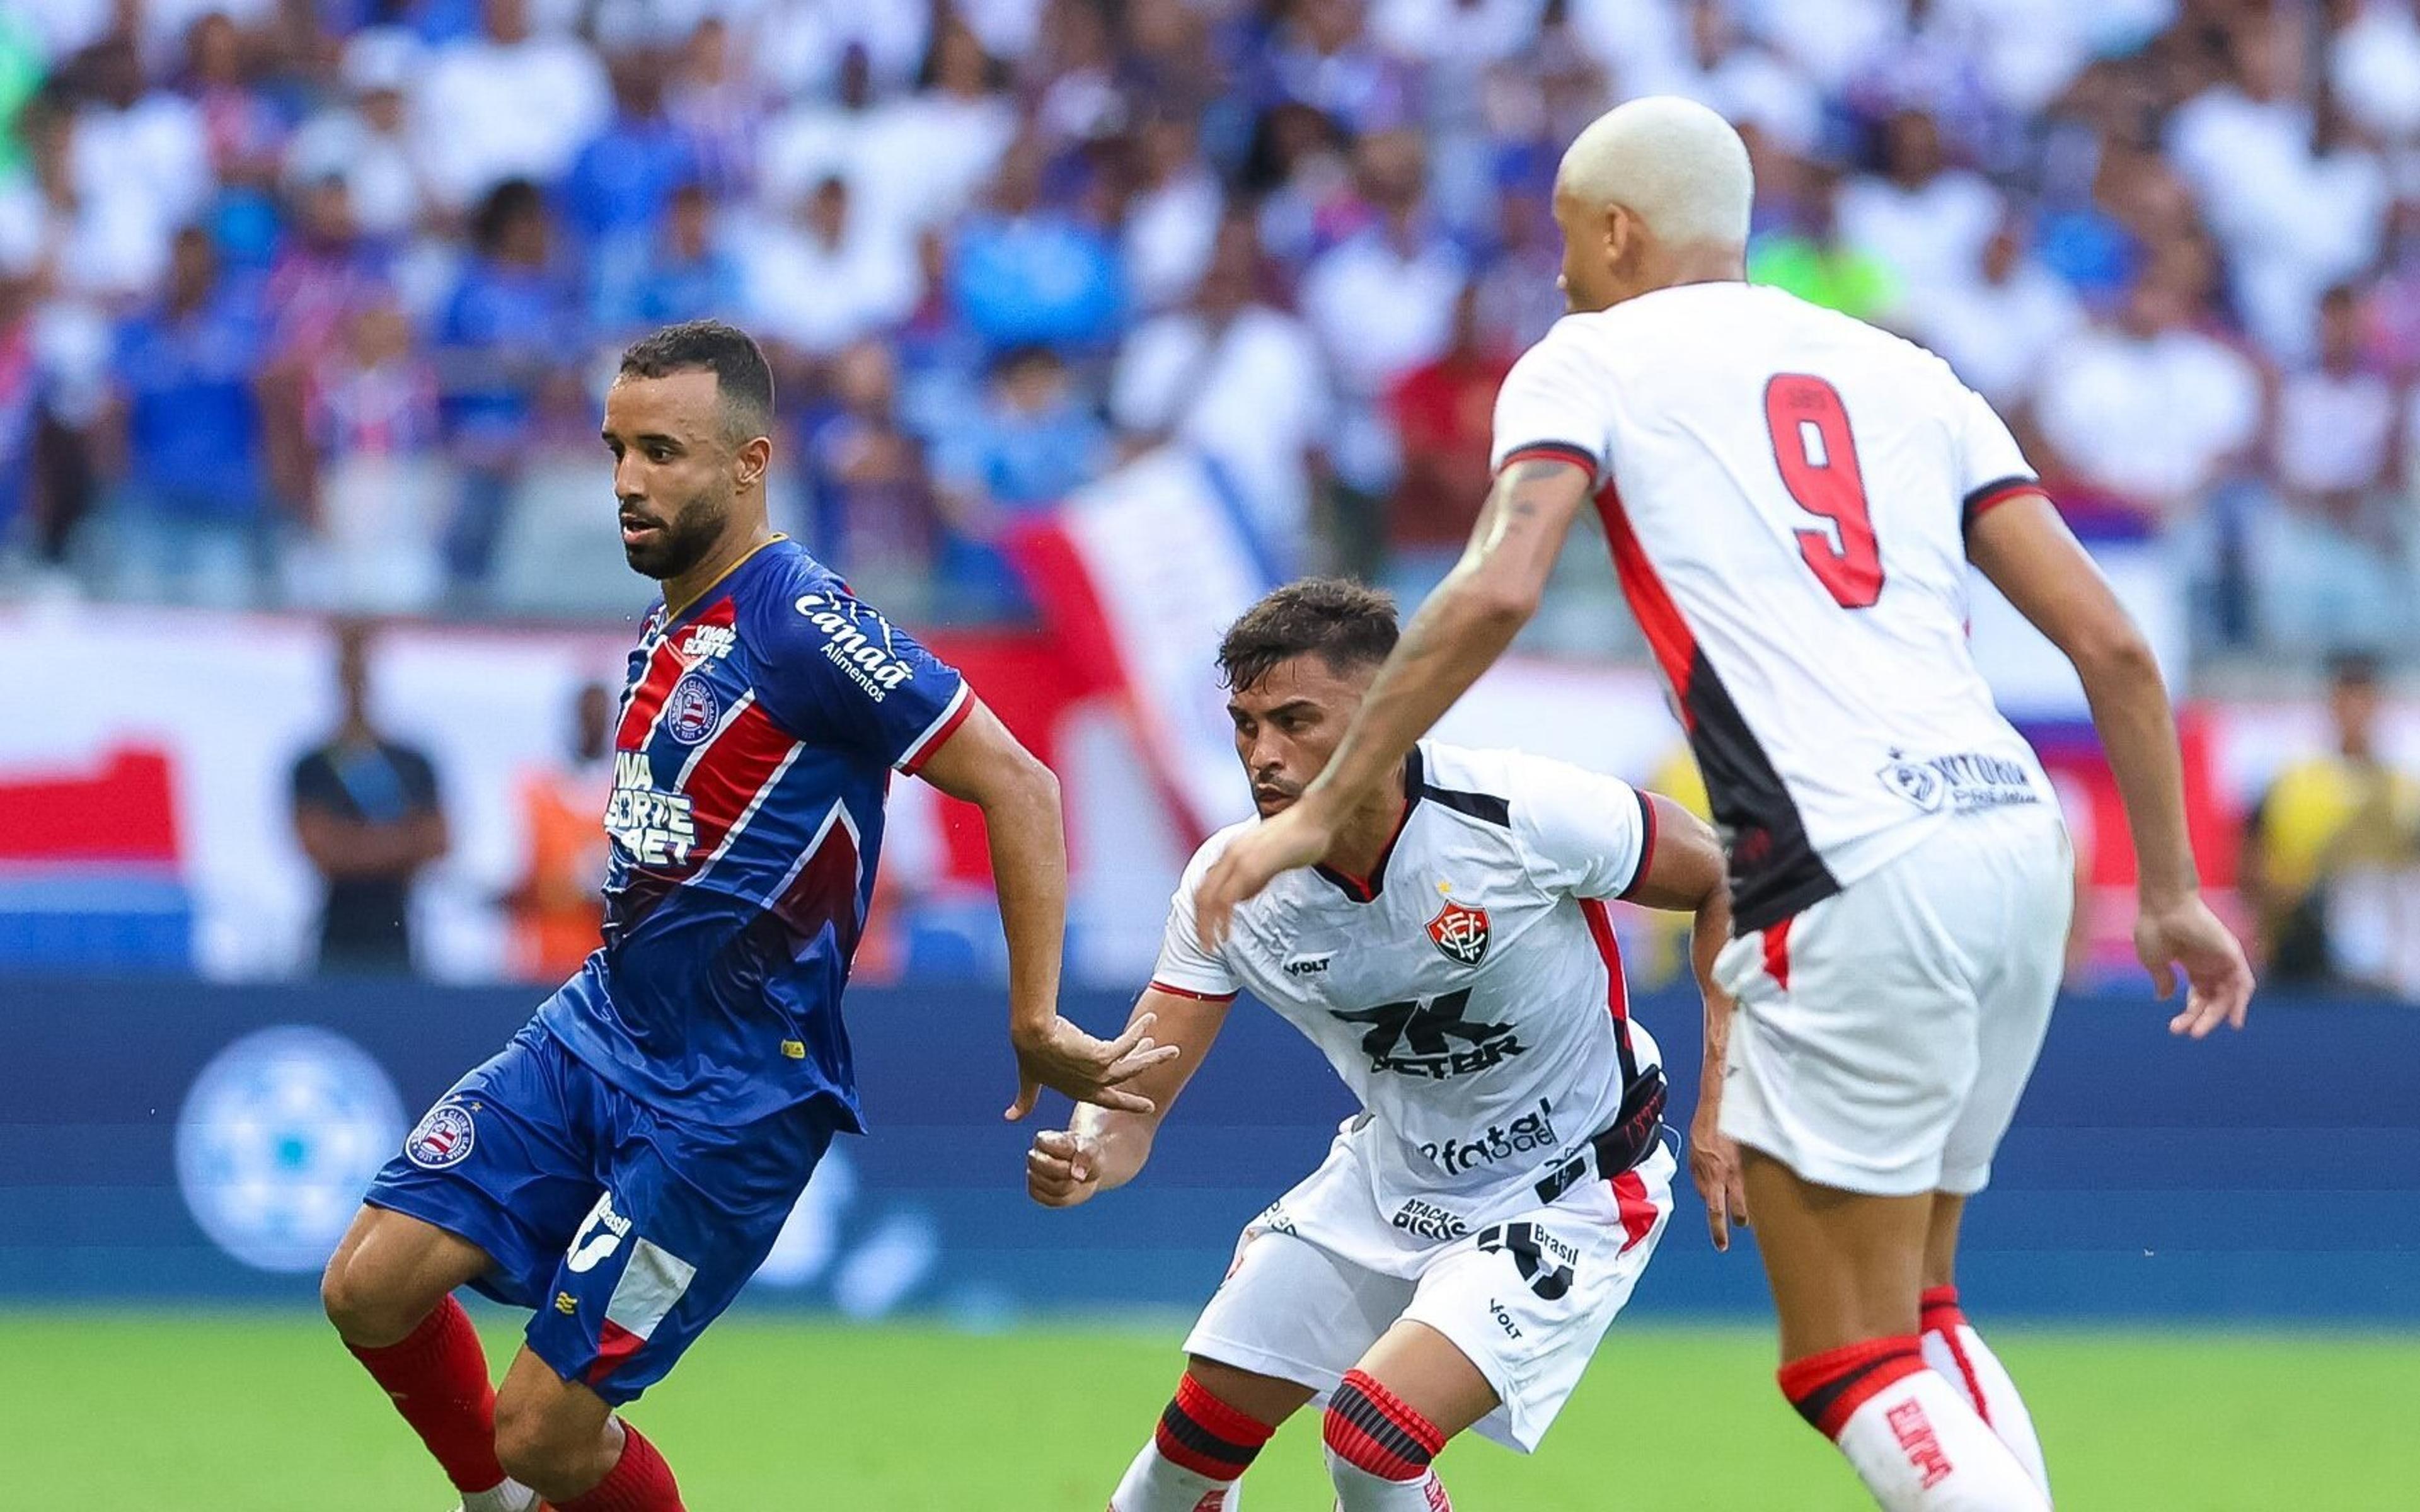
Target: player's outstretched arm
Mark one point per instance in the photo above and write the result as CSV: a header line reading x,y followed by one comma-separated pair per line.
x,y
1102,1148
2027,552
1458,633
984,765
1686,872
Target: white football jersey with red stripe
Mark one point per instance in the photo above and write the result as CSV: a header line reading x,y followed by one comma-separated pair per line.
x,y
1469,991
1787,492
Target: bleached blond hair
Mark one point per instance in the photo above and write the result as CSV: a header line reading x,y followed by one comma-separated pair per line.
x,y
1675,164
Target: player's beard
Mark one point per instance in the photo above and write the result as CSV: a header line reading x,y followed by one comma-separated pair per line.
x,y
681,542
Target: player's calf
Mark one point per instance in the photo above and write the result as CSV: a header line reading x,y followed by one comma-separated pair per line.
x,y
1953,1348
389,1290
1206,1438
1910,1437
562,1440
1379,1449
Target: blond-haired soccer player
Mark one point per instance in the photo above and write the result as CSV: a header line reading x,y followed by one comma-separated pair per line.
x,y
1793,499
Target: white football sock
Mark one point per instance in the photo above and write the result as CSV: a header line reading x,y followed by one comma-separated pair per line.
x,y
1153,1484
1953,1348
1358,1491
1918,1448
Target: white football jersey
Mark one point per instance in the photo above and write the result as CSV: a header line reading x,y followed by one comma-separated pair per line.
x,y
1469,991
1787,492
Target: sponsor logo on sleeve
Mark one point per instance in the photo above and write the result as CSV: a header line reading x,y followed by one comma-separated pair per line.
x,y
869,661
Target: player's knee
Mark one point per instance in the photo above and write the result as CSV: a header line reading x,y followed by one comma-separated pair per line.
x,y
365,1312
538,1446
1377,1432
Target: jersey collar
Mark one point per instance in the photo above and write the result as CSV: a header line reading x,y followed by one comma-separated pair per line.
x,y
1366,889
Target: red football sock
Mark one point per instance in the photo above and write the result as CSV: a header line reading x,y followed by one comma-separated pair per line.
x,y
639,1481
438,1380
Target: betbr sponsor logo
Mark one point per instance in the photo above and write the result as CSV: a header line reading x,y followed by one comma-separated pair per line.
x,y
1546,1263
691,712
655,826
276,1140
1531,1133
1430,1037
876,667
1426,1220
444,1138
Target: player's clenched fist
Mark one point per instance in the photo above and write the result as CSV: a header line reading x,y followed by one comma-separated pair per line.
x,y
1063,1168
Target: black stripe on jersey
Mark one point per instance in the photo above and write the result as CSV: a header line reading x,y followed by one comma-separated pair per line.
x,y
1484,807
1646,847
1992,493
1774,869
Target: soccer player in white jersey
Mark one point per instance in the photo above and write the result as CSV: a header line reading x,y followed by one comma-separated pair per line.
x,y
1472,1233
1793,499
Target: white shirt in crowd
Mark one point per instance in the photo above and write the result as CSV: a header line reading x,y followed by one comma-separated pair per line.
x,y
2375,65
2150,418
1931,235
487,111
144,170
1997,336
1255,398
819,297
2335,432
1464,34
1168,238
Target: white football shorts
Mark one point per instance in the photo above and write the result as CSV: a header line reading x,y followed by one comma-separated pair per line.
x,y
1884,1034
1525,1296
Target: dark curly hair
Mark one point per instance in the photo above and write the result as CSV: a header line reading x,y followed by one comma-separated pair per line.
x,y
741,375
1349,623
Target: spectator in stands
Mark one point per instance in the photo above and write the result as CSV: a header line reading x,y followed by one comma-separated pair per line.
x,y
2324,820
2147,411
368,814
365,141
557,907
1926,220
822,281
1027,272
512,316
1173,220
507,104
1033,443
379,490
1807,254
194,511
1382,305
621,182
137,165
720,108
683,272
1998,324
2332,561
245,132
1445,412
1241,382
870,499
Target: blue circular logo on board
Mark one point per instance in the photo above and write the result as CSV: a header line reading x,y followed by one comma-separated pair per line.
x,y
442,1138
278,1138
691,712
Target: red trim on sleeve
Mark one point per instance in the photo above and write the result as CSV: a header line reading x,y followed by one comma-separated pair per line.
x,y
1992,495
935,738
1159,986
1646,845
1577,455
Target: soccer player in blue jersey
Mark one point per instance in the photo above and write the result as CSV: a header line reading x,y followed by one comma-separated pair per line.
x,y
623,1165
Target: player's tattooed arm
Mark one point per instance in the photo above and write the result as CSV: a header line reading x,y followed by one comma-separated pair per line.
x,y
1102,1148
1457,635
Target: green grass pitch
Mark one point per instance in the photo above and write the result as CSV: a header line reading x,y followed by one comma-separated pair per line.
x,y
138,1411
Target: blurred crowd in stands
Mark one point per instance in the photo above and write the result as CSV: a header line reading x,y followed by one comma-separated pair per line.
x,y
310,301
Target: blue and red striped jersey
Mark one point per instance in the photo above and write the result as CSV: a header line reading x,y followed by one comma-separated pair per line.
x,y
759,732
